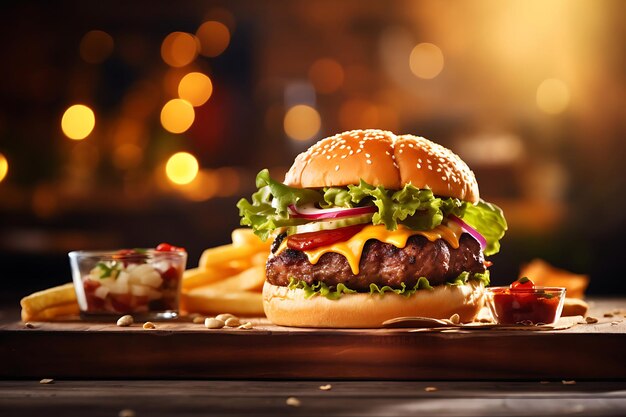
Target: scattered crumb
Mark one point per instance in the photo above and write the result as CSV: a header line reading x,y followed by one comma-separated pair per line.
x,y
455,318
570,382
246,326
47,381
544,382
293,401
591,320
149,325
326,387
431,389
615,323
608,314
29,325
127,412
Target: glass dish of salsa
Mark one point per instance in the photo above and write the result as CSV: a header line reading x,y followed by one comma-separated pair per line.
x,y
524,303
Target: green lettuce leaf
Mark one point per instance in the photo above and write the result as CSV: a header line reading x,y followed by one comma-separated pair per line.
x,y
334,293
464,277
268,210
319,288
489,220
417,209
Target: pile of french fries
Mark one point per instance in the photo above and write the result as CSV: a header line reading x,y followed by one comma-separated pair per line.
x,y
228,279
50,304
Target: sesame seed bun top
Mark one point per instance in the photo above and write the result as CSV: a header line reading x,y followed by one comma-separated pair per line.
x,y
382,158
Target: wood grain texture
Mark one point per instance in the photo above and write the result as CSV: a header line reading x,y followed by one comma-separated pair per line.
x,y
186,350
345,398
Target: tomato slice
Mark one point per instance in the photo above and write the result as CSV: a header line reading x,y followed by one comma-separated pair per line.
x,y
523,283
312,240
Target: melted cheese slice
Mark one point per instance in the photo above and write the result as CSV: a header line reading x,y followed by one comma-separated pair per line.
x,y
353,247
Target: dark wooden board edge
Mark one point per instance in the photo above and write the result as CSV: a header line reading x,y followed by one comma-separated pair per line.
x,y
310,355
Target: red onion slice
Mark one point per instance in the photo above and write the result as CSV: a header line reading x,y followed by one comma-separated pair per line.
x,y
310,212
469,229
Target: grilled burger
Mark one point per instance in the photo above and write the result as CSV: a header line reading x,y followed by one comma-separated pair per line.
x,y
369,226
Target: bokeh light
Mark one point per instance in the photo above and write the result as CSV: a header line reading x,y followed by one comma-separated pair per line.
x,y
214,38
177,115
78,122
302,122
426,61
179,49
4,167
327,75
181,168
196,88
553,96
96,46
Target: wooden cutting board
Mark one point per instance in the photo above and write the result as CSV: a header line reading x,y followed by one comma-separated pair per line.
x,y
187,350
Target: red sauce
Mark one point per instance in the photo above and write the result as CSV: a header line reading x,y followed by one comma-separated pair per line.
x,y
525,306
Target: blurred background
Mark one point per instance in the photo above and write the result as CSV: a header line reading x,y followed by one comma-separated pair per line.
x,y
127,124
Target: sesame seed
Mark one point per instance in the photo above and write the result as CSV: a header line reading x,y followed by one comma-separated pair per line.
x,y
368,155
336,167
430,167
419,166
351,151
443,177
358,150
438,169
387,152
327,156
369,162
400,151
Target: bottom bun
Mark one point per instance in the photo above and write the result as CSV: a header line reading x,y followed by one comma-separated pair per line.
x,y
289,307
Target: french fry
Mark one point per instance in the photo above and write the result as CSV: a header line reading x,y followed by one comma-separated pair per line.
x,y
52,313
221,255
197,277
37,302
251,279
246,237
206,300
260,258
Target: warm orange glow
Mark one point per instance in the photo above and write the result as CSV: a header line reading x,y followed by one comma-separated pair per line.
x,y
4,167
326,75
179,49
181,168
214,38
96,46
553,96
358,114
302,122
202,188
196,88
78,122
426,61
228,179
127,156
177,115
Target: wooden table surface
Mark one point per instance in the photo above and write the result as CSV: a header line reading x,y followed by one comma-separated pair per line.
x,y
560,394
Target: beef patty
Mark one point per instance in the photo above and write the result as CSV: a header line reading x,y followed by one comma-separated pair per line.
x,y
381,264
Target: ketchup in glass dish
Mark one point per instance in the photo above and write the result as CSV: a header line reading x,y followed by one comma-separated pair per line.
x,y
525,303
141,282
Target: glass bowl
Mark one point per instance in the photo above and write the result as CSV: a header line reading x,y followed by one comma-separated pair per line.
x,y
539,305
142,282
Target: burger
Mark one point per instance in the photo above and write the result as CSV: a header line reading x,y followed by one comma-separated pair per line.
x,y
370,226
